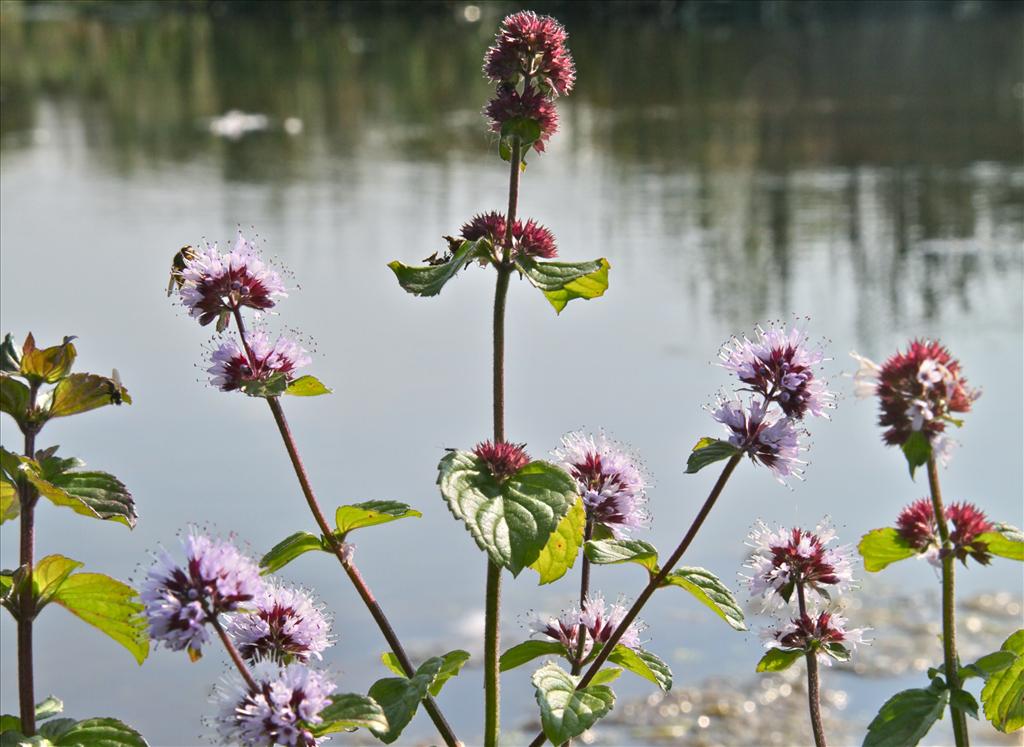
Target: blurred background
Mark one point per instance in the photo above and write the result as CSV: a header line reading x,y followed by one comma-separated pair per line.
x,y
859,163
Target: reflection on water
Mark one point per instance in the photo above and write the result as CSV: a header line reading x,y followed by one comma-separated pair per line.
x,y
867,171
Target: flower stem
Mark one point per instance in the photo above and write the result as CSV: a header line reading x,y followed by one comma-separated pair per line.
x,y
952,662
581,645
27,497
813,689
655,582
345,557
236,658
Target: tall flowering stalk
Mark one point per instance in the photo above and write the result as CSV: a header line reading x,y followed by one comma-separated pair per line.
x,y
921,393
790,562
218,286
37,386
531,67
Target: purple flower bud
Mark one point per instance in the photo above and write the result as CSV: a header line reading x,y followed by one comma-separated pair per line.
x,y
596,622
232,369
528,46
283,624
502,459
783,558
815,631
764,436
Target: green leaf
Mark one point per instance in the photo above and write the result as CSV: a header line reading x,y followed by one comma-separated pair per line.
x,y
95,494
525,129
109,606
988,665
882,547
10,504
613,551
1003,694
708,451
777,659
273,386
430,279
563,547
392,663
351,711
7,721
48,575
963,701
561,282
15,398
14,739
566,712
49,708
528,651
47,365
512,519
371,513
307,386
906,717
291,547
97,732
452,663
1005,541
610,674
710,591
10,361
400,697
83,392
917,449
643,663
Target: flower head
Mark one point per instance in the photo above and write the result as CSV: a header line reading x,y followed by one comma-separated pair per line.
x,y
180,599
282,710
528,46
825,633
508,104
918,390
763,434
612,485
502,459
232,368
779,364
785,557
215,283
916,524
596,622
529,239
283,624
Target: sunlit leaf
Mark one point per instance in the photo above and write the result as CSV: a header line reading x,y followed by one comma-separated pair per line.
x,y
428,280
48,708
83,392
93,732
371,513
708,451
307,386
882,547
109,606
10,505
47,365
710,591
563,547
614,551
1005,541
643,663
351,711
48,574
917,449
451,665
10,360
561,282
777,659
566,712
1003,694
95,494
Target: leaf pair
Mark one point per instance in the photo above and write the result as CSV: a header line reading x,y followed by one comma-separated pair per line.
x,y
400,696
883,547
638,661
66,732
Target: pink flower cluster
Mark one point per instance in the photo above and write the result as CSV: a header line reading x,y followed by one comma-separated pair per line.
x,y
529,238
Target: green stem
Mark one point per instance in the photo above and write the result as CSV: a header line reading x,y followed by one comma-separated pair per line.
x,y
813,688
27,497
655,582
952,662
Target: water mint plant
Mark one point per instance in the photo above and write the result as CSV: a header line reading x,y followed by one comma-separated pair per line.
x,y
920,393
37,386
284,627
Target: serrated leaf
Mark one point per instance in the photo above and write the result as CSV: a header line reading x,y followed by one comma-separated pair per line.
x,y
352,711
643,663
99,732
511,520
1003,694
391,662
291,547
307,386
47,365
10,504
988,665
882,547
400,697
906,717
708,451
566,712
528,651
53,729
609,674
777,659
49,708
98,495
561,282
83,392
14,398
614,551
14,739
963,701
371,513
709,591
1005,541
49,574
428,280
917,449
563,547
109,606
452,663
10,361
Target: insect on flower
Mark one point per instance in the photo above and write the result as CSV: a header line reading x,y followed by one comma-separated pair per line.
x,y
181,258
